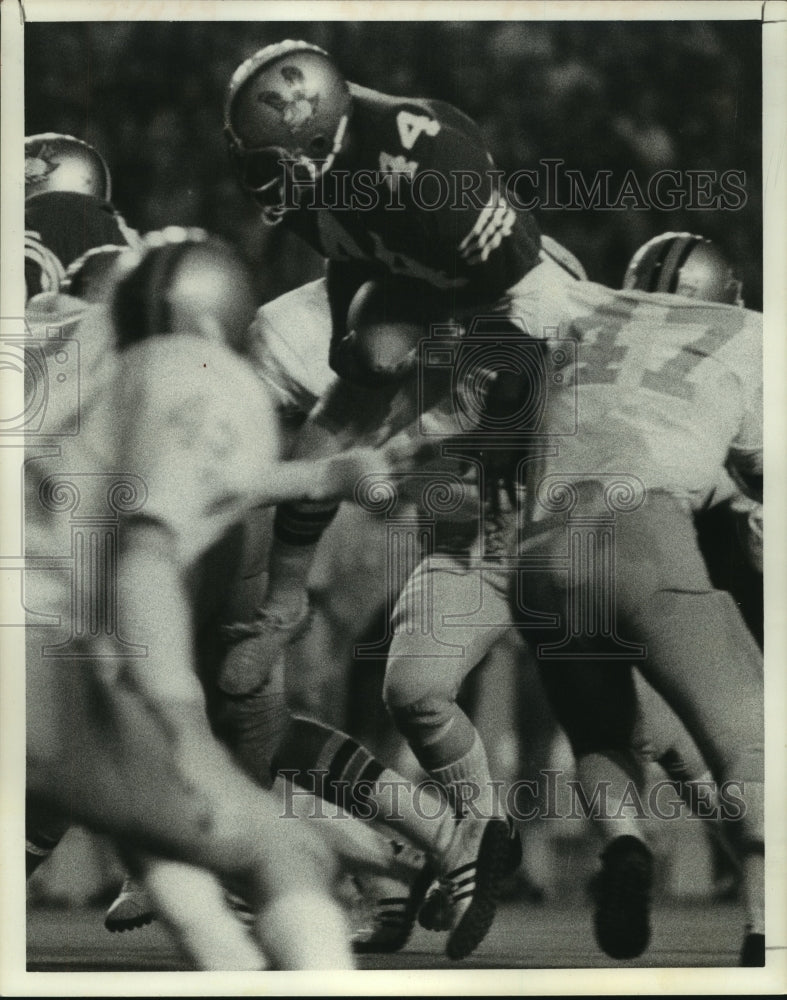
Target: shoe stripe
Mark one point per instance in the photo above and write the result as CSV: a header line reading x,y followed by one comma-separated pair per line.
x,y
460,871
463,883
463,895
492,864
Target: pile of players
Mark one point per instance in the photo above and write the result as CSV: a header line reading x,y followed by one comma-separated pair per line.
x,y
556,403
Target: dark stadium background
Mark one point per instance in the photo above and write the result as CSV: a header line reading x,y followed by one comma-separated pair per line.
x,y
601,95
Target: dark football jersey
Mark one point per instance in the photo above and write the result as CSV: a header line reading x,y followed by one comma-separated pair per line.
x,y
60,226
415,193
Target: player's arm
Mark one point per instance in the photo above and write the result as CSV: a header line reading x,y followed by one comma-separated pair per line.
x,y
744,458
476,231
747,513
743,358
154,615
337,477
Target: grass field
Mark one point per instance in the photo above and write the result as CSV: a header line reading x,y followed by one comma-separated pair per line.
x,y
545,936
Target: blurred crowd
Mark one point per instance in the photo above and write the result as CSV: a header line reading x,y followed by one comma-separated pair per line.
x,y
598,95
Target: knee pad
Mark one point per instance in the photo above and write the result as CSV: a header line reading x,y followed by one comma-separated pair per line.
x,y
413,677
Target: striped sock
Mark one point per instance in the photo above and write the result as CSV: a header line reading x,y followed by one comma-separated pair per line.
x,y
337,768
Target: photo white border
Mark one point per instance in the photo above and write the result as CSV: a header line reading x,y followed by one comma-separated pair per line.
x,y
14,980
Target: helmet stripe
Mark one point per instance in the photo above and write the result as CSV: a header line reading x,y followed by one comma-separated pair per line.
x,y
685,253
667,278
657,268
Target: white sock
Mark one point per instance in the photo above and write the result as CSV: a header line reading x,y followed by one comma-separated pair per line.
x,y
468,781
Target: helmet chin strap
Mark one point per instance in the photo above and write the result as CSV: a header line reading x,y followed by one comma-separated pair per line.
x,y
273,214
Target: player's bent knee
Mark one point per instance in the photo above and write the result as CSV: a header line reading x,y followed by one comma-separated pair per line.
x,y
418,718
406,685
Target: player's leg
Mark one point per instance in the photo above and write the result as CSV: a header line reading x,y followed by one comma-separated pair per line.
x,y
447,619
251,723
101,750
44,829
595,704
192,902
334,766
431,653
705,663
662,738
698,656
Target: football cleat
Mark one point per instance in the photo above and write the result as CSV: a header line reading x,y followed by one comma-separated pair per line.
x,y
476,888
465,897
753,951
393,912
622,895
132,908
437,912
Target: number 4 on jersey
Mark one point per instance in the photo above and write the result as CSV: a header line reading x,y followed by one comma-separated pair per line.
x,y
411,126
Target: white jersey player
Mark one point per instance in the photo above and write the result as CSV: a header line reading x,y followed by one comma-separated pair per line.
x,y
170,440
662,392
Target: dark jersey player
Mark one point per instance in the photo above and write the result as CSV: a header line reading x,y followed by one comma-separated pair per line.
x,y
383,187
378,185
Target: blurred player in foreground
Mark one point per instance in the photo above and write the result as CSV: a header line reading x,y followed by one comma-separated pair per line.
x,y
174,431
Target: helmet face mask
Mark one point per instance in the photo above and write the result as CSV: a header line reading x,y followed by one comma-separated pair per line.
x,y
262,171
286,114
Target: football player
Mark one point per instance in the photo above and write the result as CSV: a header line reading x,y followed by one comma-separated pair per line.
x,y
653,728
67,208
119,739
355,174
56,162
250,720
729,526
665,391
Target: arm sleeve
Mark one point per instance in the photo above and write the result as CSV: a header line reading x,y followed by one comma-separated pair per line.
x,y
290,338
490,243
